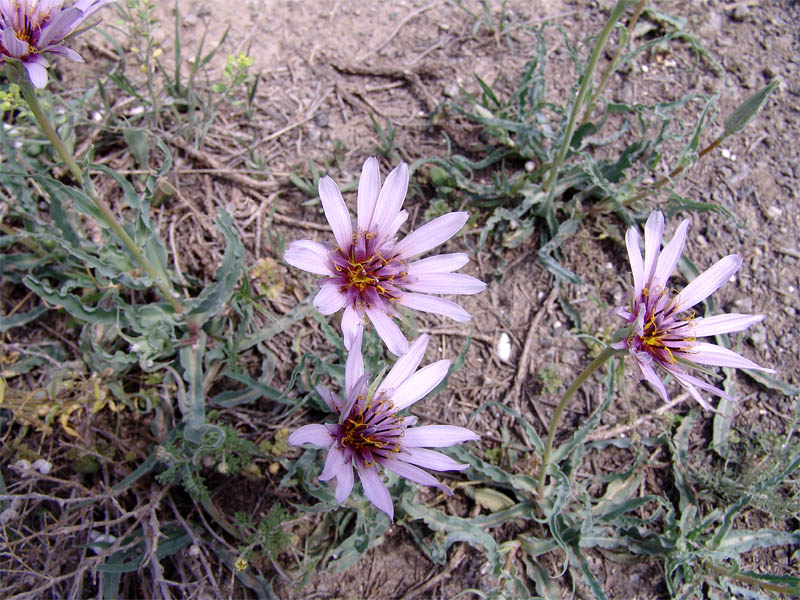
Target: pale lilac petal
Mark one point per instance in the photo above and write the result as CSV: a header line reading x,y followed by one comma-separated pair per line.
x,y
375,489
635,258
14,46
336,212
389,231
419,384
718,356
690,384
431,459
718,324
355,388
707,282
413,473
344,482
315,434
329,398
334,462
405,365
441,263
37,73
352,323
354,367
309,256
369,186
390,199
437,436
653,233
669,256
652,377
387,329
65,52
437,306
89,6
431,234
61,25
446,283
329,299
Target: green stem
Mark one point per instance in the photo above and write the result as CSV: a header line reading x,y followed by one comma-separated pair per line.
x,y
598,362
580,100
20,77
613,65
675,172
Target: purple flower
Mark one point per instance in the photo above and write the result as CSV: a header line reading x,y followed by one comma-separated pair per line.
x,y
370,432
659,336
367,272
29,29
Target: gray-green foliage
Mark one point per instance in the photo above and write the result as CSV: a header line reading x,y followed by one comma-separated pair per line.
x,y
535,181
222,449
267,538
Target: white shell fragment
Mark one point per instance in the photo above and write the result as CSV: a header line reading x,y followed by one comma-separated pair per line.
x,y
503,348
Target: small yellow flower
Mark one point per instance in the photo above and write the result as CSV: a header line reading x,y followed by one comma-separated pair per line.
x,y
240,564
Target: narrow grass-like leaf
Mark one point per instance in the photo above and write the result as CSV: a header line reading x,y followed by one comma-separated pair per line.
x,y
742,540
71,303
456,529
214,298
19,319
577,559
194,405
496,475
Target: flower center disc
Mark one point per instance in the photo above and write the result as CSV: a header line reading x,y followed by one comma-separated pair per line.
x,y
366,270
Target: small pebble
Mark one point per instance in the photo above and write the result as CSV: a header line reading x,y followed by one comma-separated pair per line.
x,y
503,348
43,466
22,466
8,515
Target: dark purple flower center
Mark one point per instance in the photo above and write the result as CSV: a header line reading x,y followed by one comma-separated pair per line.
x,y
372,430
368,270
663,334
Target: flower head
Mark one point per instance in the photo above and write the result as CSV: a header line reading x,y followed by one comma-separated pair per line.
x,y
660,336
368,272
371,432
29,29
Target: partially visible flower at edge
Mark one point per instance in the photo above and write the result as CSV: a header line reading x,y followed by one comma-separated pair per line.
x,y
370,432
368,272
659,337
29,29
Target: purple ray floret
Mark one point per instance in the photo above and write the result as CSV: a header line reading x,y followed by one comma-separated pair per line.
x,y
660,335
369,273
31,29
370,433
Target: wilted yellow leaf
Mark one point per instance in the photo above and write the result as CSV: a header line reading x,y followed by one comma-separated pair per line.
x,y
492,500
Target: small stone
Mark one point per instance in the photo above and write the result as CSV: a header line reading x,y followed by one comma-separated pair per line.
x,y
743,304
503,348
774,213
321,119
43,466
740,14
772,71
8,515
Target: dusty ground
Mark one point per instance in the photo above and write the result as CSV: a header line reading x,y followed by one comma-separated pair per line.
x,y
327,68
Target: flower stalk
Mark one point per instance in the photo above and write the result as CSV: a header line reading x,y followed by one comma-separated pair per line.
x,y
598,362
580,101
20,77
